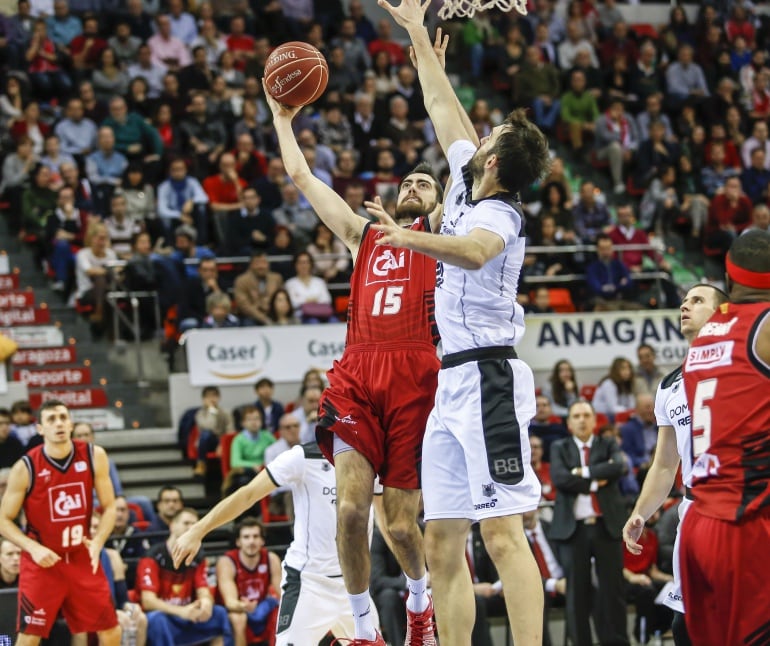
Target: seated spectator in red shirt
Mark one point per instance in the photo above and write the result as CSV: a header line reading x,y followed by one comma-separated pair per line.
x,y
225,188
729,214
250,162
384,42
542,469
240,43
759,98
29,125
64,230
625,232
719,135
619,43
87,48
740,25
49,80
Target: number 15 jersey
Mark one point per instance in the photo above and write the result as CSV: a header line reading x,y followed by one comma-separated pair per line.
x,y
391,293
728,391
59,498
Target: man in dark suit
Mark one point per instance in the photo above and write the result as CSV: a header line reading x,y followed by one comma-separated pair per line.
x,y
554,580
587,522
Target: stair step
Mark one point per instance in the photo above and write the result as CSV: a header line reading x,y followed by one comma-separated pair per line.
x,y
162,474
132,438
133,457
190,490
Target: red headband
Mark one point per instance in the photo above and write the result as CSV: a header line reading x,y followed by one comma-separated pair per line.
x,y
746,277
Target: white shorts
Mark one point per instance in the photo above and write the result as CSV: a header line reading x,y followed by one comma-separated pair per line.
x,y
475,455
674,597
312,605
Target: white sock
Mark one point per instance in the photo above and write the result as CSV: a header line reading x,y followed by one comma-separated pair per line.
x,y
417,601
362,615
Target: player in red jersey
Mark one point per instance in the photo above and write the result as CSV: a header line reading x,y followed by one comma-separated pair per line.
x,y
727,379
249,581
60,567
373,414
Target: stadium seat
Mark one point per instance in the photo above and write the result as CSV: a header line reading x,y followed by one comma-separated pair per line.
x,y
601,421
623,416
341,306
560,299
644,30
225,443
267,517
135,513
632,189
587,392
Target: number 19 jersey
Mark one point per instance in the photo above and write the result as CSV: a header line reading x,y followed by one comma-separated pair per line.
x,y
59,498
391,293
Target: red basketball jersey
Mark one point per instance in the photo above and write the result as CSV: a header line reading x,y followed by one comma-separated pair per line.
x,y
59,500
252,584
728,391
391,293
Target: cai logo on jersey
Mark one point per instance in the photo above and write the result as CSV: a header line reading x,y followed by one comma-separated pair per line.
x,y
718,329
67,502
714,355
389,266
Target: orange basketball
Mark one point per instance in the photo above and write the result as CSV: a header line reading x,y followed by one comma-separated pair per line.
x,y
296,73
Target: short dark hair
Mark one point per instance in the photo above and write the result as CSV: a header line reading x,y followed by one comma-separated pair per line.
x,y
426,169
21,406
248,410
210,390
247,522
50,403
4,412
264,382
522,152
166,488
602,236
185,510
751,251
720,296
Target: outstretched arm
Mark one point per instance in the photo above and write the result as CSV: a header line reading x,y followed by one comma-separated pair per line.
x,y
330,207
188,545
440,99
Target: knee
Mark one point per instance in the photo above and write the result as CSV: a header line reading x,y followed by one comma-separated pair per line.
x,y
351,517
402,530
502,544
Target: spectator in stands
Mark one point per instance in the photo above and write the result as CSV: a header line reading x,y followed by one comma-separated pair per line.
x,y
616,141
388,589
654,153
640,432
609,282
76,132
30,125
540,304
660,208
247,452
197,289
10,560
325,243
575,42
12,101
125,46
578,110
758,100
48,79
11,447
551,263
653,113
134,137
121,227
225,189
204,135
546,425
250,229
93,109
538,532
178,602
760,219
724,98
249,582
167,505
149,69
104,168
357,57
181,200
307,411
299,220
254,288
729,214
212,422
625,232
288,430
538,86
685,80
86,48
648,374
715,175
126,539
63,26
590,215
54,157
211,40
64,229
562,388
718,135
250,162
108,78
758,139
309,294
38,202
281,310
615,392
218,312
618,44
756,178
93,274
23,424
140,197
185,248
167,50
17,172
239,42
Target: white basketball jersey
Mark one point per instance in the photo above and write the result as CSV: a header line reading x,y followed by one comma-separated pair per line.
x,y
671,409
478,308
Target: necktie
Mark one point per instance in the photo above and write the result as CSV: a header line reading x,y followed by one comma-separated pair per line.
x,y
542,563
587,461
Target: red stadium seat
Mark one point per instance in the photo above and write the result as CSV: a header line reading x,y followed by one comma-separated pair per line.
x,y
623,416
601,420
587,392
225,444
644,30
560,299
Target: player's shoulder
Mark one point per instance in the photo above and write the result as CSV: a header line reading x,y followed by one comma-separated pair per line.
x,y
670,379
311,451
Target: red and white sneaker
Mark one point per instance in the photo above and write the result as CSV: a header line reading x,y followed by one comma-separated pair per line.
x,y
421,627
378,641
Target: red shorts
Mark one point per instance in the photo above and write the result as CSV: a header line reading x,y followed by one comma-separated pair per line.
x,y
725,578
378,402
84,598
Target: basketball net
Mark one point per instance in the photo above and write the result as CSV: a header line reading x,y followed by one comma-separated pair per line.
x,y
466,8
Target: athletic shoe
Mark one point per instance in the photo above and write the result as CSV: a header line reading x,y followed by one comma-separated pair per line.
x,y
420,627
378,641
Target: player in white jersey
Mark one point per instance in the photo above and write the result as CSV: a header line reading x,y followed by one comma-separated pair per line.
x,y
476,463
313,596
674,444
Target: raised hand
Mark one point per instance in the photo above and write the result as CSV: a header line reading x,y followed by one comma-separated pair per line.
x,y
392,233
409,13
279,110
439,46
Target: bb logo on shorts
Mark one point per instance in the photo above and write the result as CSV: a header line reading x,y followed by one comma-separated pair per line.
x,y
389,266
67,502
